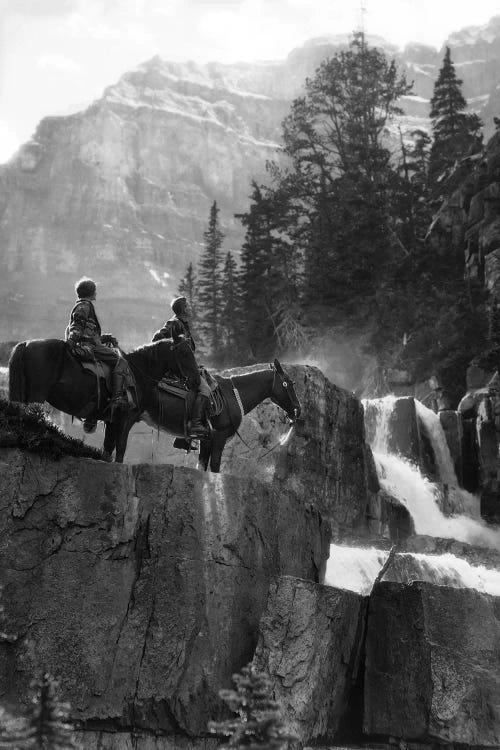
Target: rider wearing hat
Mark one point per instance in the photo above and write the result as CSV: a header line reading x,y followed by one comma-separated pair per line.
x,y
175,327
83,334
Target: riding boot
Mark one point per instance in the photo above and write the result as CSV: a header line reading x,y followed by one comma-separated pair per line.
x,y
118,395
199,427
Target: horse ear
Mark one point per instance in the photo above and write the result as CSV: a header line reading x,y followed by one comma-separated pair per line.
x,y
278,367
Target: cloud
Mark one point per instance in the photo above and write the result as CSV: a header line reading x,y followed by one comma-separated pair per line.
x,y
41,7
58,63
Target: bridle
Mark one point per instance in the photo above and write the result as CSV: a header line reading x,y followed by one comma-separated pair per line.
x,y
285,382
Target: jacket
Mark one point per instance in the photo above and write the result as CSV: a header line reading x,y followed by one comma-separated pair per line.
x,y
83,326
173,328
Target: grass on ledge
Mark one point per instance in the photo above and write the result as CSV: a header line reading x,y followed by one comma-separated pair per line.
x,y
29,428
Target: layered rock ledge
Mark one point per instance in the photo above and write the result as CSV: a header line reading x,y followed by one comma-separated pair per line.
x,y
141,587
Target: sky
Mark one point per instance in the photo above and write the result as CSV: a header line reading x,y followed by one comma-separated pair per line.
x,y
57,56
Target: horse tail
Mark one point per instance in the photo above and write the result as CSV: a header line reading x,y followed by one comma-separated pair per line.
x,y
17,377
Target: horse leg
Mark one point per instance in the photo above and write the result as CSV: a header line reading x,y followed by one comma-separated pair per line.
x,y
204,454
218,443
109,441
122,427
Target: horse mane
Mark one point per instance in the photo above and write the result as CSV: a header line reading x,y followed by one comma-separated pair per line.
x,y
148,353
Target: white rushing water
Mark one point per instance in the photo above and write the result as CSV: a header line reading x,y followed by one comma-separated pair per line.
x,y
356,568
403,480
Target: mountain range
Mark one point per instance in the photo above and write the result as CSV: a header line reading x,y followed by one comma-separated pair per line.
x,y
122,190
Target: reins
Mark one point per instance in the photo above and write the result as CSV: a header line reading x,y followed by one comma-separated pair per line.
x,y
281,441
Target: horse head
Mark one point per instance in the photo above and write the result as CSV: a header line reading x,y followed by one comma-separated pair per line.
x,y
283,392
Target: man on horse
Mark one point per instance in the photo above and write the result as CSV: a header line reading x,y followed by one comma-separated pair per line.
x,y
83,334
175,327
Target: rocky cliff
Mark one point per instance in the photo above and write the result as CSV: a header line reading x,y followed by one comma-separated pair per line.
x,y
144,587
122,190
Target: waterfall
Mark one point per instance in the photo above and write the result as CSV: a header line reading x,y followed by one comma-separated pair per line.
x,y
402,480
356,568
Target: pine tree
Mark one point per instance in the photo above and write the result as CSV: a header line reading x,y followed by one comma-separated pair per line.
x,y
342,177
50,728
209,283
45,728
15,732
231,316
455,131
259,724
271,269
188,288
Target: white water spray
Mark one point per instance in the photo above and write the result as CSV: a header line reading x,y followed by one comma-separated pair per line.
x,y
356,568
402,480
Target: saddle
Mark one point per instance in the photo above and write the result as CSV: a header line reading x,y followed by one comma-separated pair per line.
x,y
100,370
177,386
103,371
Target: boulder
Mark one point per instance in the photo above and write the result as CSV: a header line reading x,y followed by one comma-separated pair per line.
x,y
432,665
142,586
310,643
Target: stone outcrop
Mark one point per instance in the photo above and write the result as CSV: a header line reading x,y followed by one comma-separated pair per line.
x,y
479,412
142,587
431,674
311,637
469,218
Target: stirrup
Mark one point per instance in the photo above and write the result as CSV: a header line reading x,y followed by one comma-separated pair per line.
x,y
199,431
89,426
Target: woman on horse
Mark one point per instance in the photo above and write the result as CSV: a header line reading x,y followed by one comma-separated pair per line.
x,y
175,327
83,334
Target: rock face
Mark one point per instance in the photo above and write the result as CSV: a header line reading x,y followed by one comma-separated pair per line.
x,y
311,636
432,675
122,191
142,587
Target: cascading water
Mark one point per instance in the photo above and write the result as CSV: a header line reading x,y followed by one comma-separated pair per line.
x,y
356,568
403,480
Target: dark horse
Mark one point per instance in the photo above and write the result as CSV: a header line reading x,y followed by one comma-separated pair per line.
x,y
43,370
240,394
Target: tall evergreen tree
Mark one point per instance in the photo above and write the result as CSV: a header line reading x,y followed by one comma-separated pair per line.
x,y
271,263
231,324
455,131
342,176
188,287
209,283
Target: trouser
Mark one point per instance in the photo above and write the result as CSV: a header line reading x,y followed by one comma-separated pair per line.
x,y
199,413
112,358
204,388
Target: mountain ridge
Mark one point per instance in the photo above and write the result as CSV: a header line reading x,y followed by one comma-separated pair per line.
x,y
122,190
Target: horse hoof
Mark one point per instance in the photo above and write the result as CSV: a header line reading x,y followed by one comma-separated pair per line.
x,y
108,457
